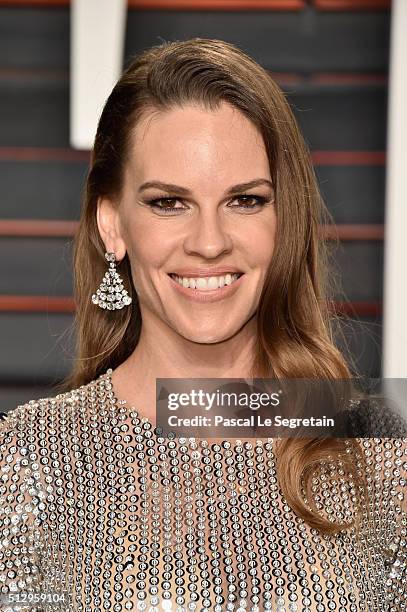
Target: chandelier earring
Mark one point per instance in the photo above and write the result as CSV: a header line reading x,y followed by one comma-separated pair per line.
x,y
111,294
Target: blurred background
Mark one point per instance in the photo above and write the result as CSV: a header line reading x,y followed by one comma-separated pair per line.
x,y
331,58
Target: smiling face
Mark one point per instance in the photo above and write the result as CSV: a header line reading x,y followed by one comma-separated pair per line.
x,y
197,204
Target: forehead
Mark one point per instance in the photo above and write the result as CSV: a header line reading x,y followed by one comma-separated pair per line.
x,y
191,139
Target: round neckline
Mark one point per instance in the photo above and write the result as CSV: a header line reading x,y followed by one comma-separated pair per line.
x,y
123,402
107,376
143,419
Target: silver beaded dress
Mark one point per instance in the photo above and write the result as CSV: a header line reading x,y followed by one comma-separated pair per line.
x,y
99,512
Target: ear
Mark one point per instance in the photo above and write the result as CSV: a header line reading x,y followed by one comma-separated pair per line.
x,y
108,221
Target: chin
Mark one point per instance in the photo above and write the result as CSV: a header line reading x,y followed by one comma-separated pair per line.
x,y
206,336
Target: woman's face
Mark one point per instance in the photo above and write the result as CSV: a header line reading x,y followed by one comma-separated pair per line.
x,y
198,205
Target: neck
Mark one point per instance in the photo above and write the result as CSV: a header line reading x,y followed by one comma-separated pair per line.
x,y
163,353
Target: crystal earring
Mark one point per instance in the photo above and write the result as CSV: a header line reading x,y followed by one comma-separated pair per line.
x,y
111,294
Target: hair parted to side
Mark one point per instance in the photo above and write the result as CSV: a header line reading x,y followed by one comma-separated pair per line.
x,y
294,324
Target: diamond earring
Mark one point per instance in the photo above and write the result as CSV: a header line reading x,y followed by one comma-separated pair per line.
x,y
111,294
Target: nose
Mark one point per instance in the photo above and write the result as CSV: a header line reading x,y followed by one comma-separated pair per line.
x,y
207,236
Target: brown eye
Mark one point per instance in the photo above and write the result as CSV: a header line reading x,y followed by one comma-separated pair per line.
x,y
250,201
165,205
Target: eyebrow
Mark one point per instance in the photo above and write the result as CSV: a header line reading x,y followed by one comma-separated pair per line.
x,y
184,191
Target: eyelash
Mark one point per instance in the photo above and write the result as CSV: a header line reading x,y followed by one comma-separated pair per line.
x,y
153,203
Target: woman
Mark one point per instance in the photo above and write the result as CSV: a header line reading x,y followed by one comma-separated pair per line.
x,y
201,189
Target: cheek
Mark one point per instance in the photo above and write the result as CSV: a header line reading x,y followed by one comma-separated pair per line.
x,y
260,243
147,244
144,255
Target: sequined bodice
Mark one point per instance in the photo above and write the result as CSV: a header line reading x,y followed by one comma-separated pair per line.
x,y
97,507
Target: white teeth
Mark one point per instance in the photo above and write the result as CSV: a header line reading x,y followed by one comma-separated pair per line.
x,y
201,283
205,283
213,282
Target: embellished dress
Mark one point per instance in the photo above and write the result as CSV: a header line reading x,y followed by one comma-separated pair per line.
x,y
99,512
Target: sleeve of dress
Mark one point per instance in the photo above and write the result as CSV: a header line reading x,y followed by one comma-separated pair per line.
x,y
20,506
386,479
24,559
387,456
394,500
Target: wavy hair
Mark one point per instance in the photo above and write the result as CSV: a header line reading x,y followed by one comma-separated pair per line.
x,y
295,331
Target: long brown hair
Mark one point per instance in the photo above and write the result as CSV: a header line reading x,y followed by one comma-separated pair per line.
x,y
295,337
